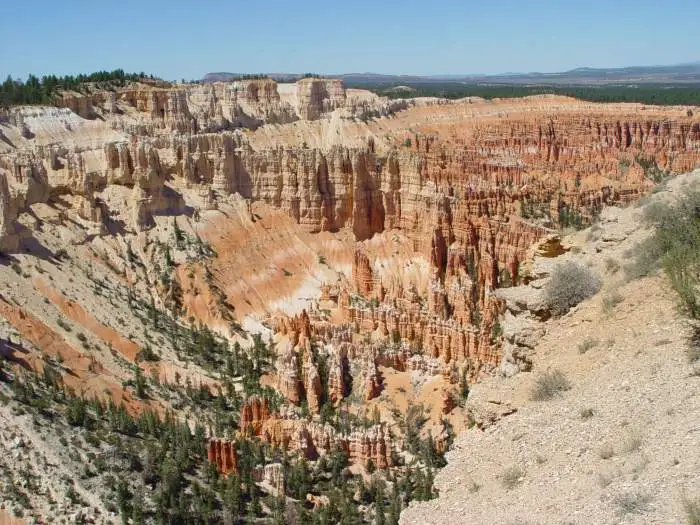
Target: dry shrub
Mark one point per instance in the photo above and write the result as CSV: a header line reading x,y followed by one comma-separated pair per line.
x,y
549,384
569,284
691,508
511,477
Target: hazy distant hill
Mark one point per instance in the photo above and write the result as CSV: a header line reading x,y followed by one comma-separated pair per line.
x,y
680,73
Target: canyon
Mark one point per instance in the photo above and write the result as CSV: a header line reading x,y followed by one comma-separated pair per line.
x,y
353,252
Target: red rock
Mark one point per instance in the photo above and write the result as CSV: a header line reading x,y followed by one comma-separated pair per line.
x,y
253,413
222,453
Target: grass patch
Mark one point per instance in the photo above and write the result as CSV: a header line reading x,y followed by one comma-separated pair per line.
x,y
586,413
511,477
548,385
611,301
691,509
589,343
632,503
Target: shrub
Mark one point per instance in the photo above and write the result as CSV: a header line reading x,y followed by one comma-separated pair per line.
x,y
60,322
606,451
632,443
693,345
147,354
586,413
632,503
587,344
550,384
691,508
569,284
511,477
611,301
673,247
611,265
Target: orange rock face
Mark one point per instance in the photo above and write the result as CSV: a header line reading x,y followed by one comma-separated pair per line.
x,y
254,412
222,454
417,236
362,274
337,374
313,440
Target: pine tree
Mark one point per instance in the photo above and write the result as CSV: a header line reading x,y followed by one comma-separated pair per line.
x,y
137,514
395,506
232,496
139,383
379,518
124,501
279,510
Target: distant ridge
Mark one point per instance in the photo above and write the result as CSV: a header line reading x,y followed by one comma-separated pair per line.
x,y
688,73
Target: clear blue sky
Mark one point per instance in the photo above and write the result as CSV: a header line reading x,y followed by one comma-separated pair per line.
x,y
175,39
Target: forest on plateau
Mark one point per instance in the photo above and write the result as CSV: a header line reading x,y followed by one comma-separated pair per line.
x,y
660,94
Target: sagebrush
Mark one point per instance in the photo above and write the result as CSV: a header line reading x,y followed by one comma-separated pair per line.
x,y
569,284
549,384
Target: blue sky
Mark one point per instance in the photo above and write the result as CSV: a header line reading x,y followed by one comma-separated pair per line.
x,y
175,39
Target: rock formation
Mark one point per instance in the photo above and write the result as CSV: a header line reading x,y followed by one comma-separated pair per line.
x,y
254,412
223,454
475,187
316,96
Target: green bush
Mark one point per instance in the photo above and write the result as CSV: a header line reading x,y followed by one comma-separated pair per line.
x,y
569,284
673,247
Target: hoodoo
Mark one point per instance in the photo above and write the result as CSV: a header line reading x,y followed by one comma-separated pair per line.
x,y
254,300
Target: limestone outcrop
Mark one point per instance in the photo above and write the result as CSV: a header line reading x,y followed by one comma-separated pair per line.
x,y
316,96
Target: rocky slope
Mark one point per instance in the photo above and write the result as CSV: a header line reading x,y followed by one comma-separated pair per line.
x,y
621,445
366,241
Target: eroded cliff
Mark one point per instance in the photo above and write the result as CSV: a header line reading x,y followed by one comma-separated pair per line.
x,y
366,250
